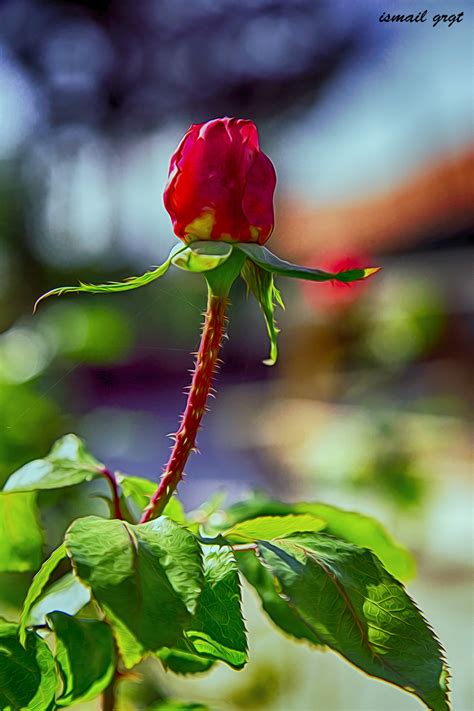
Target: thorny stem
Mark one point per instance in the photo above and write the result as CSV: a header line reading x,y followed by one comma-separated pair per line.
x,y
185,438
110,476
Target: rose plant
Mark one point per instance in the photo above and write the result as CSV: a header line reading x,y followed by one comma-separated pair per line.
x,y
166,583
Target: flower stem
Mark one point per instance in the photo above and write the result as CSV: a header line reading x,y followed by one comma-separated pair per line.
x,y
205,367
108,697
114,487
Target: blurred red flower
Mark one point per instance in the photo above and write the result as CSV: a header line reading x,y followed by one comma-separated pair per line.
x,y
335,294
220,184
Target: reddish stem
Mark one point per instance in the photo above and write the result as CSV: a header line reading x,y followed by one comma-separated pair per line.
x,y
204,369
108,696
110,476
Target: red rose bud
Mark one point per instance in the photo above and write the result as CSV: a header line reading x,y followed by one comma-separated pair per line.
x,y
220,184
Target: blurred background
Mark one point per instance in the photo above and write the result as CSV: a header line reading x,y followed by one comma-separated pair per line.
x,y
370,127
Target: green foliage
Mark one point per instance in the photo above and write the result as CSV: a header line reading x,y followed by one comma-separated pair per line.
x,y
174,705
181,660
21,538
27,674
217,630
37,586
323,575
362,530
260,283
344,594
140,491
136,489
147,579
265,259
282,614
67,464
85,655
67,594
268,527
366,532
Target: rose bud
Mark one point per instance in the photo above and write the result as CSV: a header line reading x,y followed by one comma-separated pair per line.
x,y
220,184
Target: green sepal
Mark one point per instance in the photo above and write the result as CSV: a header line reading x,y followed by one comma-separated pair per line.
x,y
202,256
114,286
350,526
260,283
221,278
265,259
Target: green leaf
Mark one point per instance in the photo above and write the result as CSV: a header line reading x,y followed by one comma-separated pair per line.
x,y
269,527
147,578
21,537
259,505
366,532
114,286
217,630
136,488
284,616
353,527
260,283
184,661
67,594
67,464
203,255
178,553
141,490
344,594
174,510
174,705
85,655
270,262
37,586
27,674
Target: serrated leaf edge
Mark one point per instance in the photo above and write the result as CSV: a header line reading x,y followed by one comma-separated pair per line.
x,y
127,284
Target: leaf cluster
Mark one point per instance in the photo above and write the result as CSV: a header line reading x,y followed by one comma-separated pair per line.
x,y
171,589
